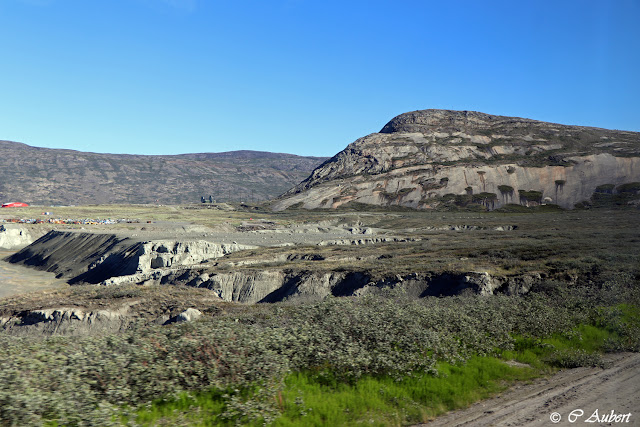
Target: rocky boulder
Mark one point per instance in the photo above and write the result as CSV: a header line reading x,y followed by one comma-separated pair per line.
x,y
189,315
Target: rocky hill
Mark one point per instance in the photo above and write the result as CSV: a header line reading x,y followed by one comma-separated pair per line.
x,y
430,158
54,176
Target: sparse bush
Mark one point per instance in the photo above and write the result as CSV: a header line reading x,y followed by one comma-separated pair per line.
x,y
245,356
574,358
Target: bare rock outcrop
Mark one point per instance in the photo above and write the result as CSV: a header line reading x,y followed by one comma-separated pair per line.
x,y
68,321
420,159
273,285
189,315
14,236
97,258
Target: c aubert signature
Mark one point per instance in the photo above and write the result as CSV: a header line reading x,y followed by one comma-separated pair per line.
x,y
595,417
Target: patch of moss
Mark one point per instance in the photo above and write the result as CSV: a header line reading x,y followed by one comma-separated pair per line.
x,y
531,195
605,188
612,201
631,187
505,189
485,196
463,199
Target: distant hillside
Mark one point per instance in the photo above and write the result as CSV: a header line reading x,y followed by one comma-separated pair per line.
x,y
54,176
431,158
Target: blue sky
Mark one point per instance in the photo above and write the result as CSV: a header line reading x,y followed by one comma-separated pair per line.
x,y
300,76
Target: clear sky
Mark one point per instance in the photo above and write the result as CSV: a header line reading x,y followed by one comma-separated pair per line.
x,y
301,76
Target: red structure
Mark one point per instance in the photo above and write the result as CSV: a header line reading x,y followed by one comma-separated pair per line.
x,y
14,205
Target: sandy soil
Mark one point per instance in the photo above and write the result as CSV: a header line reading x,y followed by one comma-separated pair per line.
x,y
588,389
16,279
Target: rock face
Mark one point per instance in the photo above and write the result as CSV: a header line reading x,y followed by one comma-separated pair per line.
x,y
95,258
68,321
13,236
263,286
424,158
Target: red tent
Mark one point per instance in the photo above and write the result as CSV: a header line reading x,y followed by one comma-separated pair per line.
x,y
14,205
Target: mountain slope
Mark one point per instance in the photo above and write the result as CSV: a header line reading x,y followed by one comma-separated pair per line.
x,y
425,158
54,176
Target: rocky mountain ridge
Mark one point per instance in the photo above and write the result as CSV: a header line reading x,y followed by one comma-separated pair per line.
x,y
56,176
425,158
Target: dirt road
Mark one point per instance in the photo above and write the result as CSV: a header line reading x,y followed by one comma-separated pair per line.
x,y
588,390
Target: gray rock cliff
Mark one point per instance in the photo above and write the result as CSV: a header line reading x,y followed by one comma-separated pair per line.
x,y
421,157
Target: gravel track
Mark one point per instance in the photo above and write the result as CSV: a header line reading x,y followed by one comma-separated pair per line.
x,y
616,388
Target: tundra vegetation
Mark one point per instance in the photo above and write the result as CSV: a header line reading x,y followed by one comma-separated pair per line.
x,y
384,359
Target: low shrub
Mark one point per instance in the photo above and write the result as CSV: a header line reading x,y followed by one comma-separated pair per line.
x,y
244,358
574,358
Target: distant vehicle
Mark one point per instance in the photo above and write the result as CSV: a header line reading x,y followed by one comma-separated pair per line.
x,y
14,205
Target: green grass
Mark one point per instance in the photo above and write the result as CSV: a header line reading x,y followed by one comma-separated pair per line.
x,y
320,397
196,409
308,399
385,401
